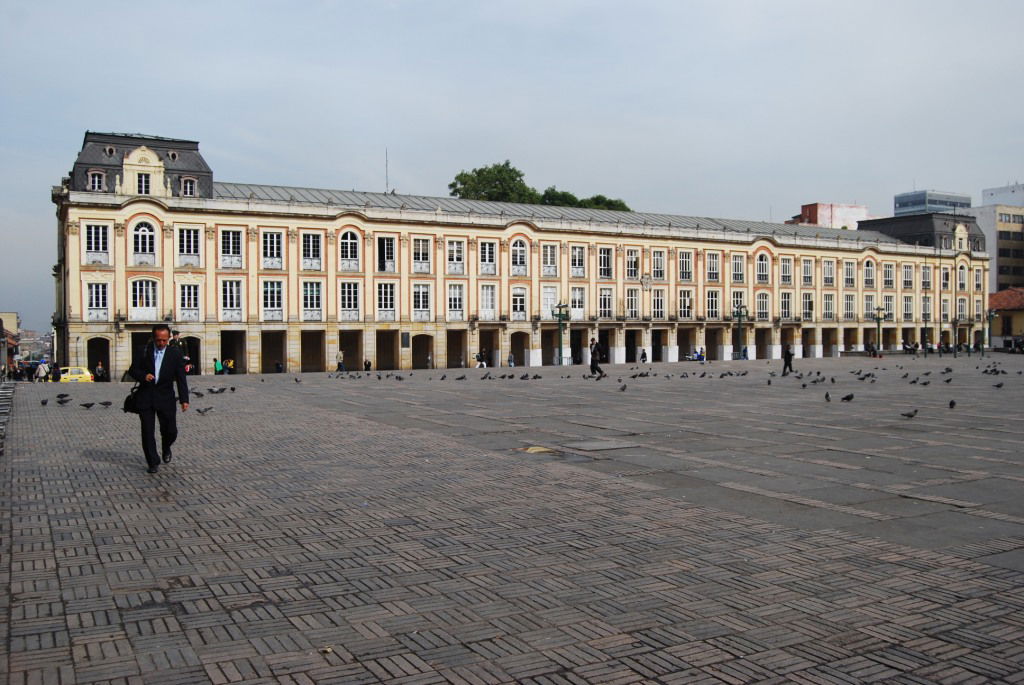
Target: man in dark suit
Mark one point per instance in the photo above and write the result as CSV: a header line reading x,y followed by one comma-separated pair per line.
x,y
157,370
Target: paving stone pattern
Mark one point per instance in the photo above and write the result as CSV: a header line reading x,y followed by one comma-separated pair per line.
x,y
683,530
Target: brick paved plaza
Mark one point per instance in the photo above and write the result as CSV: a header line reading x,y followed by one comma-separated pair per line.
x,y
683,530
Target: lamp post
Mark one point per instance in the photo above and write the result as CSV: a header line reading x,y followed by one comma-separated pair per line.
x,y
741,312
879,317
953,335
561,316
990,314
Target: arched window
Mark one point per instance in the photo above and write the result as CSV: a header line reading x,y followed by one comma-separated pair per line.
x,y
348,247
762,268
519,257
961,277
762,306
869,274
143,238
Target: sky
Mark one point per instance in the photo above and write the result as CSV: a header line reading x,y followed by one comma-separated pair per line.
x,y
741,109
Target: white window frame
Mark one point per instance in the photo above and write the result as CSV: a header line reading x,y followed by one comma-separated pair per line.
x,y
763,305
421,301
632,264
518,252
549,259
658,265
632,303
713,304
142,184
348,300
763,269
786,271
578,261
456,251
488,257
739,268
685,303
685,265
605,262
606,303
713,268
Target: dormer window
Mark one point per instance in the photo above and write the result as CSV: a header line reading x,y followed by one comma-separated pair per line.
x,y
188,187
97,181
142,184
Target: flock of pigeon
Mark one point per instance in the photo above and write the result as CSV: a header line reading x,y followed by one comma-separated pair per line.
x,y
64,398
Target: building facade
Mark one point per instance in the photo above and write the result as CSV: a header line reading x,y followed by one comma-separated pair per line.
x,y
1003,226
929,202
831,215
268,275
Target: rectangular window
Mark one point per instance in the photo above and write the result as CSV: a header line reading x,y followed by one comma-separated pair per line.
x,y
142,184
189,296
908,276
421,255
961,308
658,304
762,306
714,266
143,294
188,188
908,307
828,273
869,306
519,303
888,275
311,246
685,265
349,296
548,260
231,243
577,301
488,259
713,305
604,262
738,300
455,297
386,256
272,298
311,294
632,264
739,266
945,310
96,181
604,303
386,297
420,297
849,307
869,274
808,272
548,300
456,257
926,277
97,296
977,310
808,308
686,304
762,268
231,294
95,238
926,307
188,241
889,305
945,278
786,271
850,274
658,264
577,261
488,300
272,245
632,303
978,283
828,306
961,278
786,305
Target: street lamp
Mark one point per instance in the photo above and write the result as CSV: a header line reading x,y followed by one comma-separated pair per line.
x,y
561,316
990,314
954,323
739,313
879,317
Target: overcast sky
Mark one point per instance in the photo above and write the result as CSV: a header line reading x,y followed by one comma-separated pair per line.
x,y
720,108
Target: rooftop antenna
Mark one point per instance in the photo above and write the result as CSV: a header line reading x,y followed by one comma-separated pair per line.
x,y
387,180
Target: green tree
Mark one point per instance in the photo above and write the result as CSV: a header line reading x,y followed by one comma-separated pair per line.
x,y
602,202
497,183
559,198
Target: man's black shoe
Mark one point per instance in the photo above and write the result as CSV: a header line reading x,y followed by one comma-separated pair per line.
x,y
167,455
153,469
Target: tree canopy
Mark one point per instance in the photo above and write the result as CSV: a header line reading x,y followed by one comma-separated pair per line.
x,y
505,183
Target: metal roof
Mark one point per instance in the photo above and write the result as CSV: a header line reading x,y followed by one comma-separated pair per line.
x,y
512,211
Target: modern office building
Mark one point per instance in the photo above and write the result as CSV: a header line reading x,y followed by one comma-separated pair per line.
x,y
930,201
265,274
1001,219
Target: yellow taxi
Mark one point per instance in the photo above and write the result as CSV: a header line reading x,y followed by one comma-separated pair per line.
x,y
75,374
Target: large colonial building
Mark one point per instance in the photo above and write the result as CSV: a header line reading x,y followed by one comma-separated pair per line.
x,y
268,274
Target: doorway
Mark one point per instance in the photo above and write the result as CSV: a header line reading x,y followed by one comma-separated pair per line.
x,y
713,339
577,343
658,338
313,350
272,351
631,344
686,339
387,350
195,354
455,349
604,340
762,343
489,347
806,341
422,351
97,350
232,347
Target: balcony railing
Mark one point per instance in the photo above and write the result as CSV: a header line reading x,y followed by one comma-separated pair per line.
x,y
421,315
188,260
312,314
456,268
456,315
144,259
348,265
519,316
421,267
387,266
348,315
273,315
549,270
97,314
518,269
578,272
189,314
488,315
311,263
385,315
488,268
231,261
273,263
230,314
850,283
97,258
577,314
686,316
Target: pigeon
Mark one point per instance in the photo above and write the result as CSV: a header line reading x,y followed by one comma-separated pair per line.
x,y
536,376
947,380
43,402
998,385
197,393
952,404
461,378
909,414
205,410
847,398
925,382
769,381
63,400
622,388
62,395
232,388
525,377
87,405
299,380
443,376
828,397
106,403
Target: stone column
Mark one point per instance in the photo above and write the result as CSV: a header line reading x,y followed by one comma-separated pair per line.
x,y
775,346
